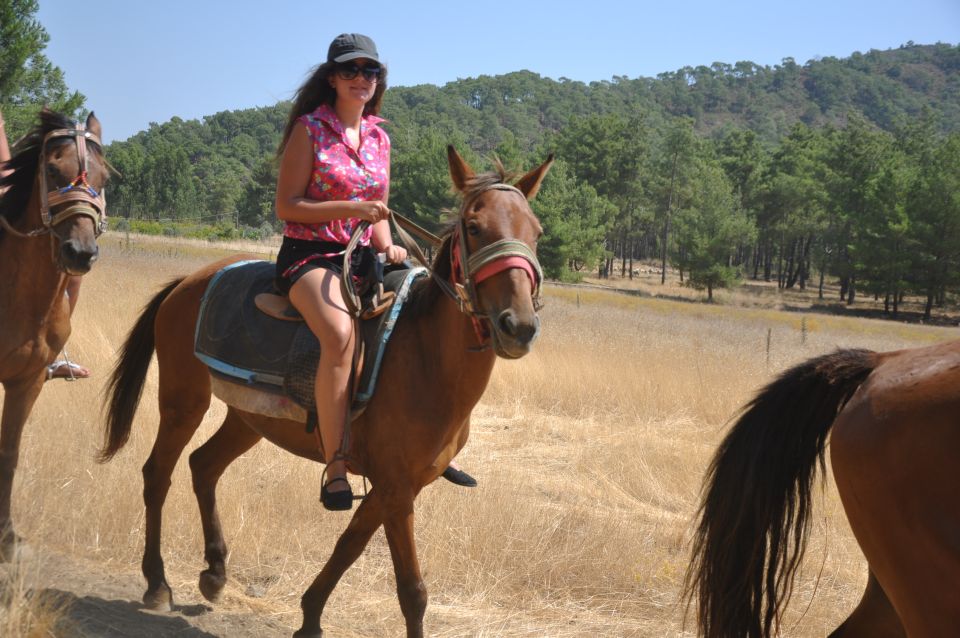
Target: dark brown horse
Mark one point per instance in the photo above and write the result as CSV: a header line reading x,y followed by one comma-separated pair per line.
x,y
51,212
433,373
893,420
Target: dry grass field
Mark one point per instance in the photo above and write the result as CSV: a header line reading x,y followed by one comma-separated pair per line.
x,y
589,453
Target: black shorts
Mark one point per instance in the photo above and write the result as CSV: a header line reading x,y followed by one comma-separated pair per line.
x,y
297,257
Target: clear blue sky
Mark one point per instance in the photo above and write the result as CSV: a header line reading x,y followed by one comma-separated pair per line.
x,y
140,62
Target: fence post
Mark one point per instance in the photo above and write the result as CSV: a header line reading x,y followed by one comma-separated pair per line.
x,y
769,335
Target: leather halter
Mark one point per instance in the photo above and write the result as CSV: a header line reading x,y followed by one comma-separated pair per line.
x,y
82,198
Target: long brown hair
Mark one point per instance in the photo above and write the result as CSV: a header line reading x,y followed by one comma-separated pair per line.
x,y
317,90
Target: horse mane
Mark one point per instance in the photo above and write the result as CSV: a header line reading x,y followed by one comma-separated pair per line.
x,y
17,186
483,181
424,292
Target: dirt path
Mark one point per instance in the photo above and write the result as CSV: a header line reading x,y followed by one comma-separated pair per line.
x,y
102,603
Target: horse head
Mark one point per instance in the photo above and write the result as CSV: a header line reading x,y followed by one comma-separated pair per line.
x,y
72,174
493,254
54,186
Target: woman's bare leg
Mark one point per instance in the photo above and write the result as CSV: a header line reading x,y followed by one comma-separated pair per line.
x,y
317,296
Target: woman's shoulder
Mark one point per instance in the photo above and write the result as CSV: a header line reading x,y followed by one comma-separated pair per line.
x,y
314,121
372,122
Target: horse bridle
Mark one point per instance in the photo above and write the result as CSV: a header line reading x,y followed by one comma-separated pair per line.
x,y
83,199
488,261
467,271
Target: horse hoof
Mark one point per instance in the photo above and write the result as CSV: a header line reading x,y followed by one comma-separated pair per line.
x,y
312,633
211,585
159,600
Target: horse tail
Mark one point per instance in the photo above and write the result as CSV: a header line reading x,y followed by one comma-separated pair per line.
x,y
754,516
126,382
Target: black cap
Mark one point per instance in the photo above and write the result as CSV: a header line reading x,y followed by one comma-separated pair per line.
x,y
350,46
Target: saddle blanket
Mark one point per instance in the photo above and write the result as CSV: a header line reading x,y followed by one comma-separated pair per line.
x,y
251,354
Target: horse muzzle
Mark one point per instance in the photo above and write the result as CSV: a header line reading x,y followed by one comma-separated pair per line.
x,y
77,229
77,257
513,333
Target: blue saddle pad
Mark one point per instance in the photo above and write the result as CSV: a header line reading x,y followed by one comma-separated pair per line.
x,y
236,340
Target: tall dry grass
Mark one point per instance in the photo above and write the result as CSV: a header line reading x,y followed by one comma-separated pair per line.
x,y
589,452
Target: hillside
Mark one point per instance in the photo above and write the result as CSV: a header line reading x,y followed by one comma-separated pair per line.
x,y
883,86
205,165
839,168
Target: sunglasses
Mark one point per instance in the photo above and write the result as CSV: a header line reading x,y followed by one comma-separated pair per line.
x,y
349,70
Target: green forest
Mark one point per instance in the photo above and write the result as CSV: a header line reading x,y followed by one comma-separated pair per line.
x,y
836,169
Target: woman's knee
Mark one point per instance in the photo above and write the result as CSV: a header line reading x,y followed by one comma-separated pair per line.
x,y
337,338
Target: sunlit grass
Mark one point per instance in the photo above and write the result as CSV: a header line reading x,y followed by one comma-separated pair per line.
x,y
589,452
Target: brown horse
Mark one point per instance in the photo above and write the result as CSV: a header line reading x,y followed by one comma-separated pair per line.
x,y
51,212
895,452
434,371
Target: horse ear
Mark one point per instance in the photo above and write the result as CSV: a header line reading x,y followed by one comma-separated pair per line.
x,y
529,184
93,125
460,171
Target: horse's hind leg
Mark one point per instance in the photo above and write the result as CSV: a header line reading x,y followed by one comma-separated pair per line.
x,y
350,545
184,396
874,617
177,424
207,465
18,400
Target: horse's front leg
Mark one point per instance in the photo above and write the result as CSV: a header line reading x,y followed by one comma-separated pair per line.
x,y
350,545
411,591
18,400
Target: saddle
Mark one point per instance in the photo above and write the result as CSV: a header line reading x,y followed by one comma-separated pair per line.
x,y
265,361
374,298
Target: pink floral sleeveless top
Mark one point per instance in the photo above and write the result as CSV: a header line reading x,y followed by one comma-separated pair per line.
x,y
341,173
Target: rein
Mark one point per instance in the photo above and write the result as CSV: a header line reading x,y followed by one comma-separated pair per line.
x,y
488,261
82,199
485,263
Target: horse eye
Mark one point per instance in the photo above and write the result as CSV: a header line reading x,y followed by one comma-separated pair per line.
x,y
473,229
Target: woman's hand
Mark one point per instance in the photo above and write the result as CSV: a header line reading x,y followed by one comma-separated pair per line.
x,y
395,254
372,211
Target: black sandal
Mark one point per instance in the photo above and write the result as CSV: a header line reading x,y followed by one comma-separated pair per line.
x,y
459,477
337,501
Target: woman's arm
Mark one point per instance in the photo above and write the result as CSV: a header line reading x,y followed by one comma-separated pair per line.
x,y
296,166
381,230
381,239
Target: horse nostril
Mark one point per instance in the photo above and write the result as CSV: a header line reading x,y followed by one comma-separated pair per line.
x,y
508,322
76,255
69,250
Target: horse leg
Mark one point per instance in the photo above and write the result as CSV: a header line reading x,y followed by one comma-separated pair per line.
x,y
180,416
18,400
207,465
403,549
183,398
350,545
874,617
